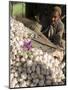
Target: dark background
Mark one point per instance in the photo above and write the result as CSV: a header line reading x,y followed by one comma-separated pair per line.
x,y
42,10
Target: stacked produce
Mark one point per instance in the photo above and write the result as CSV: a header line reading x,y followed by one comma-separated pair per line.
x,y
30,66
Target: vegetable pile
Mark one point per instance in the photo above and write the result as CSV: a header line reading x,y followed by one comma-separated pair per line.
x,y
31,66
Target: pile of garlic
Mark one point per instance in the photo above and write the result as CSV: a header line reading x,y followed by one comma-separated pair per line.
x,y
33,67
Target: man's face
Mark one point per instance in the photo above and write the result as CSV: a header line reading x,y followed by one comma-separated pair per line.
x,y
55,17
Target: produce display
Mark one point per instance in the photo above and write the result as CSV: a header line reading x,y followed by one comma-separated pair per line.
x,y
31,66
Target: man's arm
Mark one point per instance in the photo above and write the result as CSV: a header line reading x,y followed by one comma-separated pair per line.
x,y
59,33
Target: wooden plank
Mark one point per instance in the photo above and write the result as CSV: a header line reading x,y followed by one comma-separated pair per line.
x,y
36,28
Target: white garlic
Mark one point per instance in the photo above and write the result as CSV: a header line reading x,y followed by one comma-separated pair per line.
x,y
24,84
38,69
23,76
42,68
23,59
62,65
36,81
33,68
41,83
16,74
29,70
14,81
11,76
29,62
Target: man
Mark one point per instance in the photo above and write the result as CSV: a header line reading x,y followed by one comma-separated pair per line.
x,y
56,28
